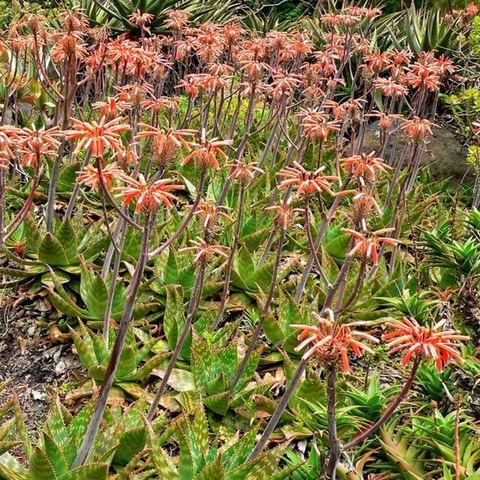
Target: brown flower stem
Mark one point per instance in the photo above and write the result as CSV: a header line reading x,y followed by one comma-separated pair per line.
x,y
339,282
356,288
263,315
333,440
233,249
186,220
389,411
11,228
113,284
192,308
117,346
277,414
457,441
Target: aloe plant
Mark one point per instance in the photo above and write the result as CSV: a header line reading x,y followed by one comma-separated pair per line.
x,y
62,251
115,13
136,362
201,460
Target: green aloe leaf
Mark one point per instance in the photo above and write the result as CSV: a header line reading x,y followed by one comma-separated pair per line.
x,y
211,471
65,234
5,445
56,424
41,467
200,431
84,347
131,442
76,431
87,472
55,455
12,469
218,403
163,463
127,363
93,292
146,369
51,252
174,317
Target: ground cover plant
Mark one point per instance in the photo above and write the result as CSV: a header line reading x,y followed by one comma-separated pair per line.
x,y
253,289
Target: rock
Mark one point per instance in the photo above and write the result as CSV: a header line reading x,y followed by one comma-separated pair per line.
x,y
444,153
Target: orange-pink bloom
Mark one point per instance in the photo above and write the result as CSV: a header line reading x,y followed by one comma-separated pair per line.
x,y
332,342
367,244
148,197
414,340
98,136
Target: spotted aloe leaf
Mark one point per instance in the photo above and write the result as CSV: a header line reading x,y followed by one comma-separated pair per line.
x,y
12,469
5,446
212,470
41,467
131,443
52,252
174,317
218,403
163,463
55,455
87,472
67,237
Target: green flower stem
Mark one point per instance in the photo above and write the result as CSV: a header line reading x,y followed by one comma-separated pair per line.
x,y
118,346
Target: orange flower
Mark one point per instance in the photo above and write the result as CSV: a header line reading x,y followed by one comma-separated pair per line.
x,y
307,183
69,47
111,108
35,143
148,197
176,19
89,176
390,88
414,340
244,172
365,167
98,137
207,152
9,136
418,128
316,124
140,18
331,342
367,246
166,143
